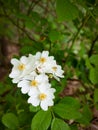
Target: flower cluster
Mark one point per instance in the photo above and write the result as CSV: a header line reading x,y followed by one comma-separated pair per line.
x,y
32,75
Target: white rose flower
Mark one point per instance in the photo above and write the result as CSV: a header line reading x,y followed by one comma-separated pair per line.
x,y
22,67
32,75
42,60
31,85
57,71
44,97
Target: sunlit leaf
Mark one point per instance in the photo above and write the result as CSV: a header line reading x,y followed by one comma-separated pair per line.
x,y
58,124
68,108
41,120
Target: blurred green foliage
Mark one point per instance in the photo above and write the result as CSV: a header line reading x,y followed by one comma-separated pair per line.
x,y
68,29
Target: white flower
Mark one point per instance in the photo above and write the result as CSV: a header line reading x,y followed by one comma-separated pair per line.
x,y
22,67
31,84
57,71
42,60
44,97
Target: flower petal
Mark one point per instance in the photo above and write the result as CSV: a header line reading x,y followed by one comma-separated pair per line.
x,y
34,101
15,62
44,105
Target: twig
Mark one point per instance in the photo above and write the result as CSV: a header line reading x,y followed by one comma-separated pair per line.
x,y
92,45
32,6
17,25
84,21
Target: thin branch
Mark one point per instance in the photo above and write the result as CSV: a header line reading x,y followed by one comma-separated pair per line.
x,y
92,45
84,21
17,25
32,6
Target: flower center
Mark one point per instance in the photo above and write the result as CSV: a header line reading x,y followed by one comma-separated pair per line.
x,y
54,68
34,83
21,67
42,60
51,76
42,96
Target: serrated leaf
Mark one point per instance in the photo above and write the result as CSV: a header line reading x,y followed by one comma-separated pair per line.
x,y
41,120
66,10
58,124
10,120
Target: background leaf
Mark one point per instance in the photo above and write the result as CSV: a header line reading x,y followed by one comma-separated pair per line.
x,y
96,95
66,10
10,120
93,75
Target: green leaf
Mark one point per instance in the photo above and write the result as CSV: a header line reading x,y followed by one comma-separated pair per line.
x,y
29,24
96,96
86,116
93,75
66,10
34,109
94,60
54,35
26,49
35,16
10,120
71,101
68,108
41,120
58,124
95,11
73,127
88,63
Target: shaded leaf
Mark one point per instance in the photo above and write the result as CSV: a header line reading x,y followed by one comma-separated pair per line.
x,y
66,10
54,35
86,116
34,109
96,96
10,120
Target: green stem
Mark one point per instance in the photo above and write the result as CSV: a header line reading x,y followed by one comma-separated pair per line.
x,y
52,113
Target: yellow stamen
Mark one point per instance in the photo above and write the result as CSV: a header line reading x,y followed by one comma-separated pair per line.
x,y
42,96
21,67
51,76
34,83
42,60
54,68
